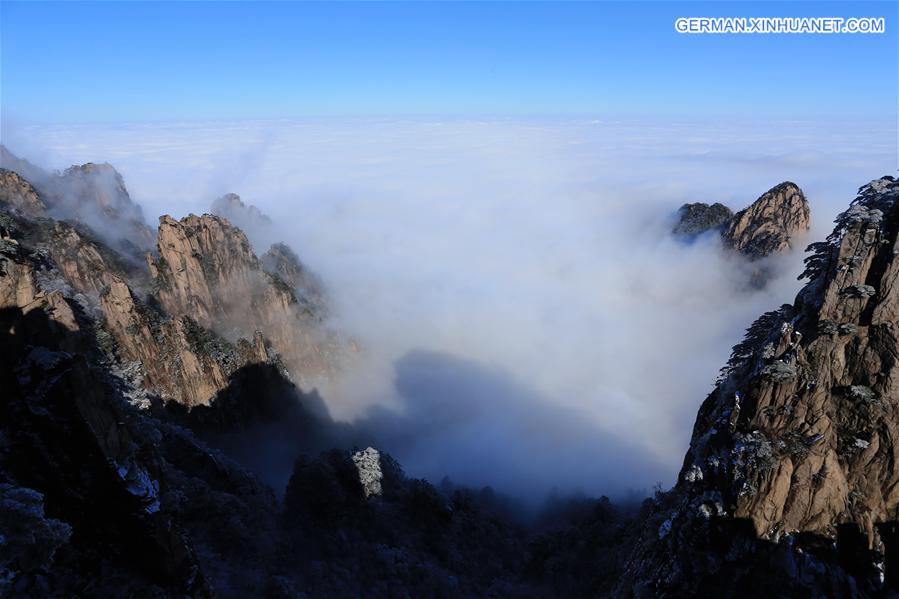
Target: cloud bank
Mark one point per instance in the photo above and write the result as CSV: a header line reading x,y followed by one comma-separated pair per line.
x,y
524,315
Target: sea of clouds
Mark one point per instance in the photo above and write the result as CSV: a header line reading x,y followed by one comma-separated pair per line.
x,y
525,318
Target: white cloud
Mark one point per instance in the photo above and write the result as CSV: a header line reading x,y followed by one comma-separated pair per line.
x,y
539,248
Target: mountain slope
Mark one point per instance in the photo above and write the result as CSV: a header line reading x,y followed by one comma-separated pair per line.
x,y
791,468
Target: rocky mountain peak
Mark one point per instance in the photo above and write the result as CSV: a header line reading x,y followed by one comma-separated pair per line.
x,y
96,194
791,464
769,225
207,270
90,194
206,267
247,217
697,218
19,194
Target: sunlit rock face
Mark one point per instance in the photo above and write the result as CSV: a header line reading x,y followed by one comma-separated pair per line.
x,y
770,225
18,194
207,270
793,455
181,320
177,359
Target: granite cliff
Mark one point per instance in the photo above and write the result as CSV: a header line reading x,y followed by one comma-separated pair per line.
x,y
767,226
790,485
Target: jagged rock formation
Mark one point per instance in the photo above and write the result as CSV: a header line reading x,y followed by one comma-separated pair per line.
x,y
697,218
791,468
768,226
110,496
86,264
83,262
19,194
206,269
205,317
95,194
89,194
280,261
73,449
99,187
174,357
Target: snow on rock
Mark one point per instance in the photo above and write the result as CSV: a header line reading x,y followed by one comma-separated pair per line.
x,y
368,464
694,474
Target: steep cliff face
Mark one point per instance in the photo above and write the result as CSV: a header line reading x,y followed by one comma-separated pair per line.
x,y
97,497
72,450
19,194
87,265
173,357
768,226
206,269
792,461
181,327
280,261
82,261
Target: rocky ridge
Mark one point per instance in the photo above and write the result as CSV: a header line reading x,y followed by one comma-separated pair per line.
x,y
791,466
90,194
768,226
178,332
20,195
207,270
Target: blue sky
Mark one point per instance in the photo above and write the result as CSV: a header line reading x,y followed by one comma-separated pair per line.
x,y
75,62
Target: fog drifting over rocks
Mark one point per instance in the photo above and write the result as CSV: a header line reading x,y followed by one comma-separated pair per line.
x,y
530,257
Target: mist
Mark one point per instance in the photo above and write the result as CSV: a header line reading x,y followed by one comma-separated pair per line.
x,y
524,317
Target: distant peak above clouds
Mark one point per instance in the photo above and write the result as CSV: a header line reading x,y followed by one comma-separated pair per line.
x,y
767,226
230,206
93,194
